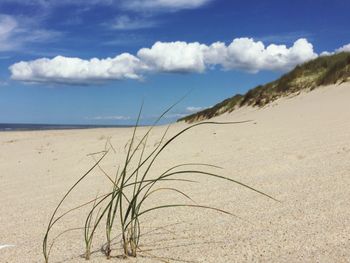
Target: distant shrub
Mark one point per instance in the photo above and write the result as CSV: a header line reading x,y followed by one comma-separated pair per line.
x,y
339,71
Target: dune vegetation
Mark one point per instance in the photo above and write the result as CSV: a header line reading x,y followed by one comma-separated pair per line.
x,y
119,210
324,70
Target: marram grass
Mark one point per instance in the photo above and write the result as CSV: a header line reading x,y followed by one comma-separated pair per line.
x,y
122,206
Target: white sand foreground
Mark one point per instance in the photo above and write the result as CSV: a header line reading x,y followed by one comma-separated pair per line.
x,y
296,149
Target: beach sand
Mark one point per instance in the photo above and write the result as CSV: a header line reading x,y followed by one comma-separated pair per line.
x,y
296,149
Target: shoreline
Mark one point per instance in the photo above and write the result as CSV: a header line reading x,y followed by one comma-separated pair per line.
x,y
11,127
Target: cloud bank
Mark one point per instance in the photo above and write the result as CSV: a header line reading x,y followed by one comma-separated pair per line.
x,y
246,54
68,70
243,54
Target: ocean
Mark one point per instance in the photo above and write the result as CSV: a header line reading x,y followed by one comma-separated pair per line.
x,y
37,127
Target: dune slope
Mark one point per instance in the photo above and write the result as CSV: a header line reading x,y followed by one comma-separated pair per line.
x,y
296,149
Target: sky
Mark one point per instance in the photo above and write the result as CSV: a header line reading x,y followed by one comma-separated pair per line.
x,y
96,61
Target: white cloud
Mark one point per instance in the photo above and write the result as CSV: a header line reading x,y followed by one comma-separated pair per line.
x,y
180,57
131,5
16,33
253,56
175,115
48,3
7,26
286,37
124,22
189,110
242,54
193,109
115,117
167,5
326,53
77,71
172,57
345,48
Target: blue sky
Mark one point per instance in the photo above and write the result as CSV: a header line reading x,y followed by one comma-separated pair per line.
x,y
95,61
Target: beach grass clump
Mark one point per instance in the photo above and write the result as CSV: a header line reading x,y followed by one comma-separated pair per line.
x,y
121,207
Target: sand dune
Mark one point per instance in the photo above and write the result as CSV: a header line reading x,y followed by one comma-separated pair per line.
x,y
296,149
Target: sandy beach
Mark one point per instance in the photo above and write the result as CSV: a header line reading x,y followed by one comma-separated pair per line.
x,y
296,149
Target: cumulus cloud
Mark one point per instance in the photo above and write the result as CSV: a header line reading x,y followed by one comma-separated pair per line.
x,y
253,56
180,57
326,53
345,48
77,71
242,54
170,57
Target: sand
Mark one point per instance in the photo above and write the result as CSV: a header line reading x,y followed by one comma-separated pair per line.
x,y
296,149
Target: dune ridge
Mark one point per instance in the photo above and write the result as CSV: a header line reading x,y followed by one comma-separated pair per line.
x,y
322,71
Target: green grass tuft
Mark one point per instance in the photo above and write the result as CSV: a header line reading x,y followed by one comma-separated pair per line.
x,y
131,188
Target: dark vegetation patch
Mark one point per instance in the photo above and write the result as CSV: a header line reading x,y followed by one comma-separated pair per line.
x,y
321,71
